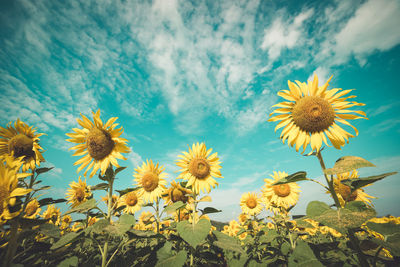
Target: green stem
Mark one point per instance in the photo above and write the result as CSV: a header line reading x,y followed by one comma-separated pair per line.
x,y
104,262
193,223
328,181
157,215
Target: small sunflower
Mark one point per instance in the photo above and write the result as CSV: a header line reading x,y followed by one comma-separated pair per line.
x,y
132,202
177,193
32,209
99,144
243,217
9,189
92,220
146,221
52,214
65,222
312,112
150,179
284,195
232,228
21,141
199,168
78,192
344,192
251,204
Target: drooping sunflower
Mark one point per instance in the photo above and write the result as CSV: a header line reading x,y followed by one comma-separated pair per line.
x,y
78,192
251,203
177,193
52,214
32,209
344,192
21,140
9,189
150,179
99,144
132,202
284,195
312,113
199,168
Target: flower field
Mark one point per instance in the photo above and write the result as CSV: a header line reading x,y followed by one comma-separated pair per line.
x,y
176,232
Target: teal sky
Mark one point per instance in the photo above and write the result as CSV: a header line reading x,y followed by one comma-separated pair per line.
x,y
179,72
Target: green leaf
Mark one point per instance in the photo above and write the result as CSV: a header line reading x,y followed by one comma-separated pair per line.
x,y
43,170
42,188
28,223
85,206
98,227
50,230
175,206
392,243
285,248
101,186
227,242
124,224
174,261
49,200
71,261
348,164
127,190
119,169
295,177
268,236
304,256
68,238
303,224
209,210
315,208
355,184
194,235
165,251
141,233
385,229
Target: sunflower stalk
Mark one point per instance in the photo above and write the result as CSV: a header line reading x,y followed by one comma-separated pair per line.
x,y
158,215
328,181
110,179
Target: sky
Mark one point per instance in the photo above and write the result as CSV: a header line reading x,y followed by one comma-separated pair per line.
x,y
180,72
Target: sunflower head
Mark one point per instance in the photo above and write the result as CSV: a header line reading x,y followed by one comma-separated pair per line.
x,y
52,214
199,168
279,196
32,209
177,193
132,201
312,114
21,140
65,221
99,144
78,192
150,179
251,204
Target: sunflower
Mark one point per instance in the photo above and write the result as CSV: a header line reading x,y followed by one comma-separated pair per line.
x,y
146,222
92,220
65,222
52,214
250,204
9,189
78,192
312,112
344,192
114,202
32,209
21,141
243,217
177,193
283,195
151,181
232,228
132,202
199,168
98,143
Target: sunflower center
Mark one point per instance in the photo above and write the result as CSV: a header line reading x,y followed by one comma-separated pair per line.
x,y
177,195
150,181
79,194
251,203
199,168
31,208
99,143
131,199
346,193
282,190
313,114
21,145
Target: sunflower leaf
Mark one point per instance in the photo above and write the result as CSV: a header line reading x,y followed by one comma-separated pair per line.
x,y
49,200
196,234
303,255
295,177
119,169
176,206
43,170
127,190
100,186
348,164
227,242
65,239
355,184
83,207
208,210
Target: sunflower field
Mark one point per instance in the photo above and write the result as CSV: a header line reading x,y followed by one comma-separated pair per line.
x,y
176,232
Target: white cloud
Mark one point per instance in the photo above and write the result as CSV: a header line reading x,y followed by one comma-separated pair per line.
x,y
135,158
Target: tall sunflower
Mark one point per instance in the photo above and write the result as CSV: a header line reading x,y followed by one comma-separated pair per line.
x,y
251,204
284,195
99,144
344,192
150,179
9,189
177,193
21,140
199,168
312,113
78,192
132,202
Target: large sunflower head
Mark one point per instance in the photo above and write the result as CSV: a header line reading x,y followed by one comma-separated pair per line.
x,y
9,189
312,113
99,144
150,179
251,204
32,209
283,195
132,202
177,193
21,140
199,168
78,192
344,192
52,214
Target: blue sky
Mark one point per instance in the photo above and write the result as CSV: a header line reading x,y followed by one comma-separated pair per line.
x,y
179,72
